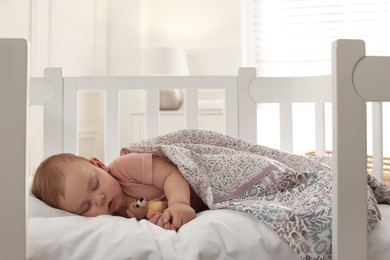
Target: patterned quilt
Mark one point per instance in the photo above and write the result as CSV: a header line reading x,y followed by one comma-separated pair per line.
x,y
289,193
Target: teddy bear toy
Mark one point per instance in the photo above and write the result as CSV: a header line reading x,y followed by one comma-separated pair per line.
x,y
140,207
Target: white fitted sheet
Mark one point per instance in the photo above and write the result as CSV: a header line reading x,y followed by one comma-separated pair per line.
x,y
213,234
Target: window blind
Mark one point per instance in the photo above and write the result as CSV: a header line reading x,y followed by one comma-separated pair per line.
x,y
293,37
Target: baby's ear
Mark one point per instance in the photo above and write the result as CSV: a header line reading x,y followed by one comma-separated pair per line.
x,y
95,161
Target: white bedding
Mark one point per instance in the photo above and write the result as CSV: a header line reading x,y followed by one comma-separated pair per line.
x,y
214,234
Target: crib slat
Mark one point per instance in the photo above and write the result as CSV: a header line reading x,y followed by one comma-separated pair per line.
x,y
247,106
377,140
152,111
320,128
111,125
53,115
231,106
286,127
192,108
70,115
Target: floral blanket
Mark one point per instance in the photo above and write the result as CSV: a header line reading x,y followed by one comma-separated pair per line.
x,y
289,193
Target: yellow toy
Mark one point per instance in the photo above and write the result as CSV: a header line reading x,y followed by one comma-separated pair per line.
x,y
139,208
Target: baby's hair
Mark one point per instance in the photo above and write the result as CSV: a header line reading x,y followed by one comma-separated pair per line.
x,y
48,183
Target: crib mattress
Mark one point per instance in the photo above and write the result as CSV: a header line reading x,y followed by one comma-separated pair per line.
x,y
214,234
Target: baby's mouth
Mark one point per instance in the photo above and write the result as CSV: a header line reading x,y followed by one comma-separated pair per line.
x,y
110,205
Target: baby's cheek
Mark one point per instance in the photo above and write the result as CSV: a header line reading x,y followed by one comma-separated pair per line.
x,y
95,213
113,185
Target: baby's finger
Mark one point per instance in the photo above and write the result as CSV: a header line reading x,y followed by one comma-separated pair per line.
x,y
167,226
177,222
151,214
153,218
166,217
173,228
160,222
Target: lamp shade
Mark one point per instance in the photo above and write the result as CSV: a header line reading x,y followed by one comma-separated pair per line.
x,y
164,61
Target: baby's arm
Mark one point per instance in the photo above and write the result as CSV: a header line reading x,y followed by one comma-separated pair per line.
x,y
167,177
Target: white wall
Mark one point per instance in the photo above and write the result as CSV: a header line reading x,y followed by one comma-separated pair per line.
x,y
106,37
207,30
102,37
124,37
70,34
14,19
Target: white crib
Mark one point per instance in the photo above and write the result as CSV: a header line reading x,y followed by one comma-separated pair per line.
x,y
65,92
357,79
352,70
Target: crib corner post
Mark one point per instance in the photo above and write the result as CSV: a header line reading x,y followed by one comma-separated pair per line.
x,y
14,102
349,197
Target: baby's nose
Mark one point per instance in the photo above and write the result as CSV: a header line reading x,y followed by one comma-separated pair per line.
x,y
101,199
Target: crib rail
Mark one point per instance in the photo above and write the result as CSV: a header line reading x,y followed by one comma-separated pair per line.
x,y
349,129
318,90
65,89
286,91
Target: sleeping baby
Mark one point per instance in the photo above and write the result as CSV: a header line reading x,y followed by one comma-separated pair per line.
x,y
90,188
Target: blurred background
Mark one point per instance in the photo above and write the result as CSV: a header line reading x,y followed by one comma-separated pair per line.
x,y
188,37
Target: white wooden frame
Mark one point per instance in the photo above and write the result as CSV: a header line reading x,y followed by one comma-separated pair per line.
x,y
61,116
13,152
352,72
285,91
357,79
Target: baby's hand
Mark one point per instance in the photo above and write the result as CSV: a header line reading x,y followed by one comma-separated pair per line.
x,y
157,219
178,214
173,217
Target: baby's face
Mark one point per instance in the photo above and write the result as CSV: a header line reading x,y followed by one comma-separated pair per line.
x,y
89,190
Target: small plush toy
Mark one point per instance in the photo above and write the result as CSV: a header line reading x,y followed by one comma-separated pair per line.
x,y
140,207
